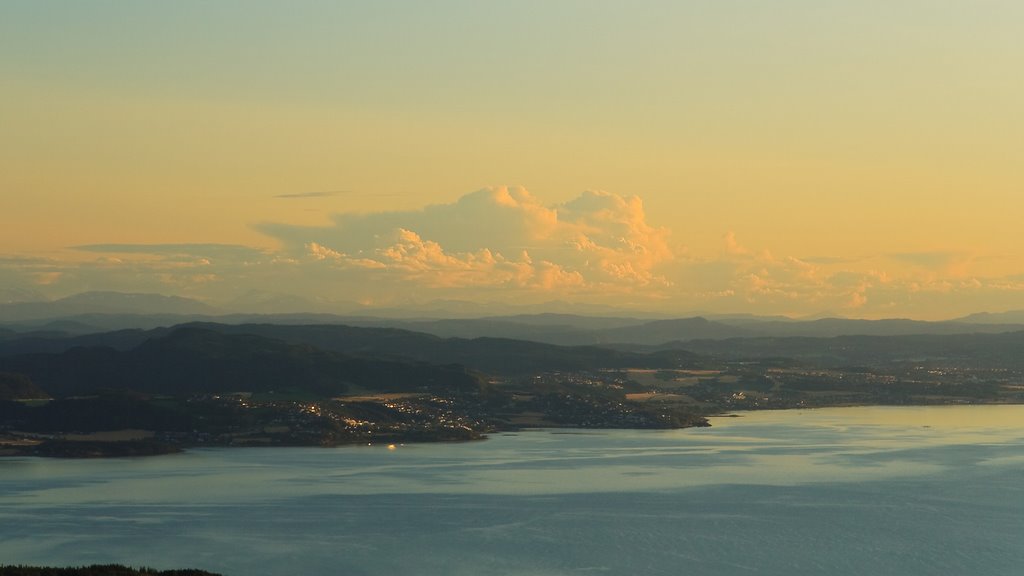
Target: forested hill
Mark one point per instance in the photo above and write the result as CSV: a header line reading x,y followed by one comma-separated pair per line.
x,y
302,349
211,384
192,360
203,384
490,355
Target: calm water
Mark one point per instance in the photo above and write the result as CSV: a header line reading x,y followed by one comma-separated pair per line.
x,y
901,491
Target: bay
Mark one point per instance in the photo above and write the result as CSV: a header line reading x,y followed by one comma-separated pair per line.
x,y
901,491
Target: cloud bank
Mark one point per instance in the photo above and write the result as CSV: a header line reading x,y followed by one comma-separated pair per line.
x,y
504,245
495,238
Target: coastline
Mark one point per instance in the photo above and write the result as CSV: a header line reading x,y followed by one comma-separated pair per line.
x,y
140,443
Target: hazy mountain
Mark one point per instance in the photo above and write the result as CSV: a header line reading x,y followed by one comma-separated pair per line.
x,y
490,328
830,327
269,302
679,329
103,303
490,355
133,303
571,330
563,329
988,351
549,328
68,326
12,295
742,319
50,343
259,301
1009,317
461,309
575,321
93,312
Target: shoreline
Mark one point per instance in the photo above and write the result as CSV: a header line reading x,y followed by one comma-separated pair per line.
x,y
86,446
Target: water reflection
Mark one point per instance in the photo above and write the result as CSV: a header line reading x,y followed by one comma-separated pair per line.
x,y
545,502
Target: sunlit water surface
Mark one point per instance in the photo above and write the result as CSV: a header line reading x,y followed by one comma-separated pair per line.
x,y
847,491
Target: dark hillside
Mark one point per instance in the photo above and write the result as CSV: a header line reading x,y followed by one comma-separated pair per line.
x,y
19,387
1004,350
193,360
490,355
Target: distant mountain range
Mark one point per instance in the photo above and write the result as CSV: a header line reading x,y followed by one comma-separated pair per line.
x,y
93,312
331,359
205,383
102,303
997,351
290,347
1010,317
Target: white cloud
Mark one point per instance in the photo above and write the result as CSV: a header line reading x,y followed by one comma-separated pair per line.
x,y
426,263
496,237
504,244
319,252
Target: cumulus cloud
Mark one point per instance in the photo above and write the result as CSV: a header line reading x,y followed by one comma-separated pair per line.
x,y
741,277
503,244
939,263
494,237
732,245
427,264
319,252
917,284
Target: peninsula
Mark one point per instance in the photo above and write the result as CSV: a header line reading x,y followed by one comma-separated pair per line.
x,y
133,393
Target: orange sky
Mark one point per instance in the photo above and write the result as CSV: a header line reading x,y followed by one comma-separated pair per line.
x,y
792,157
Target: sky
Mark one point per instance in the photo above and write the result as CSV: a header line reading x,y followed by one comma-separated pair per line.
x,y
797,157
